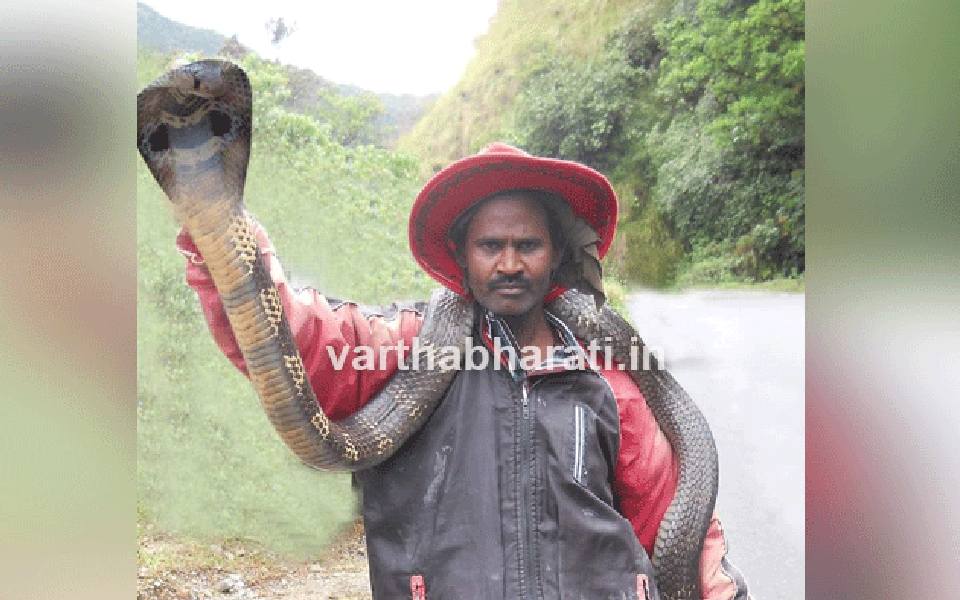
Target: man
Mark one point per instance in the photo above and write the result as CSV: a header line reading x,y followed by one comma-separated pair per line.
x,y
541,478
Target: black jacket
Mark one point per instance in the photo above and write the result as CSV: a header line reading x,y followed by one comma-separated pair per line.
x,y
506,493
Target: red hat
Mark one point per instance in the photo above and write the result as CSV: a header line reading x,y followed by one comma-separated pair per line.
x,y
499,168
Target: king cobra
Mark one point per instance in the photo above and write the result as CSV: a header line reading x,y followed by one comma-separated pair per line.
x,y
194,131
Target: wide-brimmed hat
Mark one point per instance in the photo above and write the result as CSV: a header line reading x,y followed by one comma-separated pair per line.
x,y
500,168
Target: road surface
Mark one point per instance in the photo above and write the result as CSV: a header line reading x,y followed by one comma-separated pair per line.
x,y
740,355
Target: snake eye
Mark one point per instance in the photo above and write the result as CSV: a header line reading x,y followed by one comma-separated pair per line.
x,y
159,140
220,123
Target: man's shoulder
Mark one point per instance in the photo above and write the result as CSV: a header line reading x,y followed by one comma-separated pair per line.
x,y
620,382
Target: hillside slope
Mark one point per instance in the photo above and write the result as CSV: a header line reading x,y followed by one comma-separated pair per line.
x,y
524,37
157,33
364,117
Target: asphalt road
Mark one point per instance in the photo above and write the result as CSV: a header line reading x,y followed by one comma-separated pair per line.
x,y
740,355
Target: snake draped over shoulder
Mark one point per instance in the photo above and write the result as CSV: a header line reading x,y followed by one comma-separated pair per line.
x,y
193,132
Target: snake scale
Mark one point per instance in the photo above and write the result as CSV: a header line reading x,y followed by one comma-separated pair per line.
x,y
193,131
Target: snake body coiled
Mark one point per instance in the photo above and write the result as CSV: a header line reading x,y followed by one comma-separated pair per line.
x,y
194,131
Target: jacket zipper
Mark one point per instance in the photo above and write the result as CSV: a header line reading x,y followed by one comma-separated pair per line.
x,y
526,494
579,426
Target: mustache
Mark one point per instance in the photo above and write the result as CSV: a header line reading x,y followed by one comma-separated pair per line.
x,y
508,282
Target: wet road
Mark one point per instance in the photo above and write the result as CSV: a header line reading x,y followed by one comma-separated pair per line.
x,y
740,355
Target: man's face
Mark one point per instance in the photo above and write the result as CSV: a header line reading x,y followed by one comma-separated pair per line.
x,y
508,255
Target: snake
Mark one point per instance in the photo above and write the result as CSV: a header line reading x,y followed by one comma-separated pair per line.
x,y
194,129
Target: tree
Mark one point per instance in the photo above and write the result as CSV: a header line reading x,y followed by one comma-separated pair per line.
x,y
732,158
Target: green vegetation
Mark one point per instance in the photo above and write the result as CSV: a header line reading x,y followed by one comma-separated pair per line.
x,y
732,158
352,120
695,114
477,110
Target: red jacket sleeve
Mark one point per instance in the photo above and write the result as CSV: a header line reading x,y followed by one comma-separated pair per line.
x,y
646,480
326,336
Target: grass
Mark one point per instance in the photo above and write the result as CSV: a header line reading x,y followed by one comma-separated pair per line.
x,y
172,565
793,285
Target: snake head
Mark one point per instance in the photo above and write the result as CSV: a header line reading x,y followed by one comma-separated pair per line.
x,y
193,129
204,78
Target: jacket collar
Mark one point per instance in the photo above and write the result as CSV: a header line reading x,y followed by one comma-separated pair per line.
x,y
568,355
